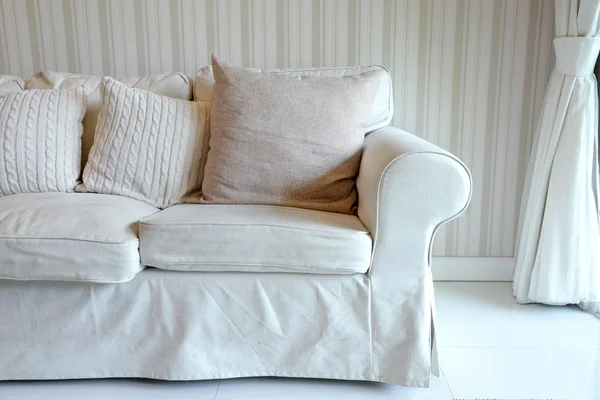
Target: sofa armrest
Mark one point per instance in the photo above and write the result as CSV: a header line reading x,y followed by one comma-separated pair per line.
x,y
407,188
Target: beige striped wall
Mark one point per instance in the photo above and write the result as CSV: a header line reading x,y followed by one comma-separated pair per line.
x,y
468,75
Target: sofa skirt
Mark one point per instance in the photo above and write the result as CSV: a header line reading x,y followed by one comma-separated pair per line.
x,y
191,326
187,326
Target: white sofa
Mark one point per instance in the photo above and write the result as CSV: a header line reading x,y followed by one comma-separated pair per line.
x,y
98,286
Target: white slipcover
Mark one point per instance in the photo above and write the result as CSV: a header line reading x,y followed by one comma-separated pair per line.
x,y
9,83
190,325
407,189
254,238
70,237
175,84
177,325
382,109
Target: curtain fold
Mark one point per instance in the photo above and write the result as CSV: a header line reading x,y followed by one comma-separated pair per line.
x,y
558,239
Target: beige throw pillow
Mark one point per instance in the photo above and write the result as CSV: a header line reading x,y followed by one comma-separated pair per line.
x,y
147,147
289,141
382,109
40,140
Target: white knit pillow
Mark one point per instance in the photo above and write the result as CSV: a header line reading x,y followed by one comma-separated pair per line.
x,y
147,147
175,85
40,140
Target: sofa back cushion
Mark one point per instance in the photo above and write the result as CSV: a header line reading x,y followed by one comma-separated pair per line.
x,y
147,147
286,140
9,83
40,140
174,85
380,113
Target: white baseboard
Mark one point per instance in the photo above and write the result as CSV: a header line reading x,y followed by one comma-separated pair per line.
x,y
472,269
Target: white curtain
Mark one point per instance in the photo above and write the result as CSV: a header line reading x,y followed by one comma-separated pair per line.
x,y
558,239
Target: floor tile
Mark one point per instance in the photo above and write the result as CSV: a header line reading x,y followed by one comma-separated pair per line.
x,y
472,296
108,389
485,314
296,389
509,373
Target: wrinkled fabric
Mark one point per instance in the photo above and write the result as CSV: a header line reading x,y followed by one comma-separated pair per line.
x,y
188,325
557,257
254,238
174,325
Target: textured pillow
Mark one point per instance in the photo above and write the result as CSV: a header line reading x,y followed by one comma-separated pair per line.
x,y
40,140
147,147
382,109
289,141
174,85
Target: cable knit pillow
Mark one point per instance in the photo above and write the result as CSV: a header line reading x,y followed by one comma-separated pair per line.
x,y
40,140
288,141
147,146
175,85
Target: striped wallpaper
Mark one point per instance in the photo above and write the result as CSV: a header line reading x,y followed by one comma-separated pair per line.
x,y
469,75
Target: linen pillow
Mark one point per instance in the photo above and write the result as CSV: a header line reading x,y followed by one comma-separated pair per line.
x,y
288,141
147,146
382,109
40,140
175,85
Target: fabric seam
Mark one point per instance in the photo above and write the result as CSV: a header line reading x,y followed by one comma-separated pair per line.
x,y
146,225
83,280
67,239
221,264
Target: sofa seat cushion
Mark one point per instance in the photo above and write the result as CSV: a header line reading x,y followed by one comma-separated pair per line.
x,y
254,238
70,237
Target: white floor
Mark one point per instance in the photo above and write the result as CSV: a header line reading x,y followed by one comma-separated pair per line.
x,y
490,348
